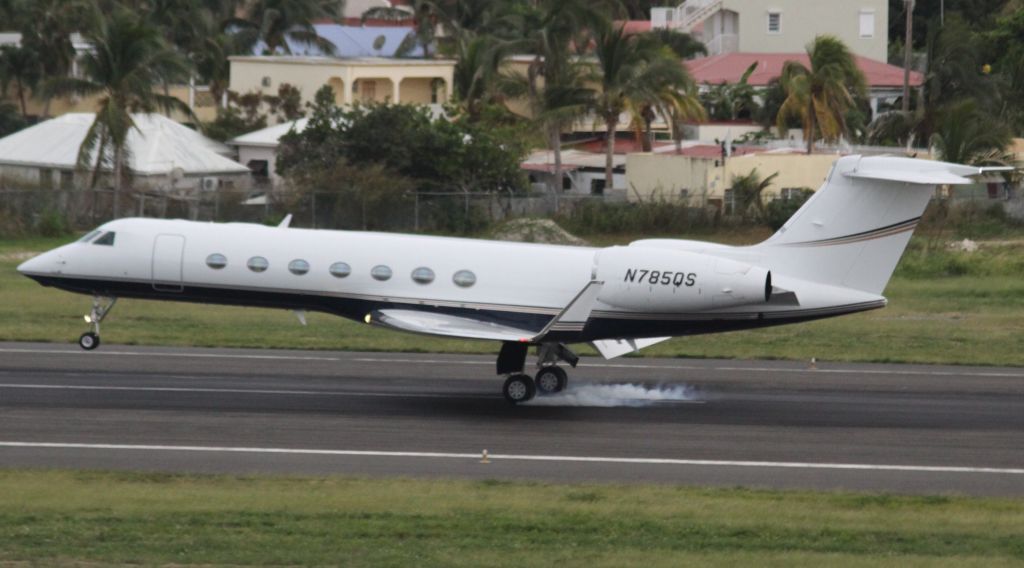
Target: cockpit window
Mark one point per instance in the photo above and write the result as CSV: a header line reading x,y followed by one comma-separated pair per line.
x,y
106,239
89,236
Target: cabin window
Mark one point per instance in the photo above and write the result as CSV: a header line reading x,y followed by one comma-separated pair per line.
x,y
106,239
380,272
298,267
258,264
340,269
89,236
423,275
216,261
464,278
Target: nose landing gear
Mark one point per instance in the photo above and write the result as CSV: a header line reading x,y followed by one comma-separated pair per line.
x,y
91,339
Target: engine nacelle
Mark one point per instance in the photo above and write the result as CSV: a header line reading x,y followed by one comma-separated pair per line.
x,y
669,281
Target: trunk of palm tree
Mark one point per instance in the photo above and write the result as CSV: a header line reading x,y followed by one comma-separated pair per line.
x,y
118,153
811,128
556,148
21,98
611,123
646,145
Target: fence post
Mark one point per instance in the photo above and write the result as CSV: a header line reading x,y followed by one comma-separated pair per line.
x,y
416,211
314,209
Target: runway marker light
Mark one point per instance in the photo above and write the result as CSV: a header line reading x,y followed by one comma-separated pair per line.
x,y
484,458
813,364
88,319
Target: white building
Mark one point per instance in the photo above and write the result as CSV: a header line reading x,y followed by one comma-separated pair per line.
x,y
258,150
162,156
780,26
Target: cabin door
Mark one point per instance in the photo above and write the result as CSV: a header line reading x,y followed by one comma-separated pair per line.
x,y
168,255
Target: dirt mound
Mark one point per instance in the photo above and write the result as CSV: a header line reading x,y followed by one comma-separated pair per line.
x,y
543,231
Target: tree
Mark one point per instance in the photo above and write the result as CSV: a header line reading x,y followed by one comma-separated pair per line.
x,y
732,101
822,94
275,23
632,70
967,135
47,31
129,58
748,194
682,44
21,66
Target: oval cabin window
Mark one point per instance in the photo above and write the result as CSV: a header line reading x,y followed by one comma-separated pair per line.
x,y
258,264
464,278
423,275
380,272
340,269
216,261
298,267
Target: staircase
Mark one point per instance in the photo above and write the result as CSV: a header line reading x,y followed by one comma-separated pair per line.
x,y
696,11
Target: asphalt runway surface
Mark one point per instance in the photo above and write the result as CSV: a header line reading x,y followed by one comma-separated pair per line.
x,y
890,428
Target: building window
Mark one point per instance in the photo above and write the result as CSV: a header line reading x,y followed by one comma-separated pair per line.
x,y
597,186
774,22
867,24
298,267
340,269
464,278
258,264
423,275
381,272
265,82
108,240
215,261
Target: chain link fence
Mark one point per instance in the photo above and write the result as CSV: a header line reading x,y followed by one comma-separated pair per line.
x,y
53,211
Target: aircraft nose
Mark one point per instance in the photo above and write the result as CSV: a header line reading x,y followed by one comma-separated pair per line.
x,y
47,262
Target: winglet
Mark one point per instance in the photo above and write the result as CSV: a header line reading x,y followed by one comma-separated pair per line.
x,y
285,222
574,317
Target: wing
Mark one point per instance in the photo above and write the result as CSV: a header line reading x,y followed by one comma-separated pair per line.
x,y
612,348
572,318
431,323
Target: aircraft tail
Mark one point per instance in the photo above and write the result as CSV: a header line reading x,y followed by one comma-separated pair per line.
x,y
852,231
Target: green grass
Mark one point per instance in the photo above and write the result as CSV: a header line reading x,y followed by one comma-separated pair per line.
x,y
58,517
975,317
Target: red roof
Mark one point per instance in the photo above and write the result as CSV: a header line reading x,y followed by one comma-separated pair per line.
x,y
631,27
729,67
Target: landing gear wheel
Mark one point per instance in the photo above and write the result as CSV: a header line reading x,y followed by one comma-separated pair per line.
x,y
89,341
551,379
519,388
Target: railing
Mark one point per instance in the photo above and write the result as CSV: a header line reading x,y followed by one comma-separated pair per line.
x,y
696,11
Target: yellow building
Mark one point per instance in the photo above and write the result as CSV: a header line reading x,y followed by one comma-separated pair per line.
x,y
361,79
702,178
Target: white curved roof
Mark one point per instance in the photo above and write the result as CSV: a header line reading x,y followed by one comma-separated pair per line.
x,y
156,147
271,135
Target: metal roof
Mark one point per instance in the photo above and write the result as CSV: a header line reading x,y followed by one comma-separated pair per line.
x,y
158,146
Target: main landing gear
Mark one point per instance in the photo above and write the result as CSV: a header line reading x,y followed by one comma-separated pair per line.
x,y
550,378
91,339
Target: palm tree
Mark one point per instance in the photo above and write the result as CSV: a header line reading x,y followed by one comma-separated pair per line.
x,y
49,35
968,135
632,70
130,58
278,22
821,96
682,44
20,65
748,192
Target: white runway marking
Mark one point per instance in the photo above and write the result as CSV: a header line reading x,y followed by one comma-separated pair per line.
x,y
584,364
518,457
236,391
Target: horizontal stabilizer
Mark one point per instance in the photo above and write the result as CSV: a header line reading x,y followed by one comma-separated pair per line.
x,y
612,348
432,323
908,176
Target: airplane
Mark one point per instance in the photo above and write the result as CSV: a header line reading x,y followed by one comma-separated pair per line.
x,y
833,257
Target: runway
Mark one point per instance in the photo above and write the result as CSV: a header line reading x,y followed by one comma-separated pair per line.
x,y
892,428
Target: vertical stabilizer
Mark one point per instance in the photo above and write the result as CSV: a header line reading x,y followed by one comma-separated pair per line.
x,y
852,231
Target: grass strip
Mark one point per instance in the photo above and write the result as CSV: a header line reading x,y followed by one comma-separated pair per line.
x,y
67,517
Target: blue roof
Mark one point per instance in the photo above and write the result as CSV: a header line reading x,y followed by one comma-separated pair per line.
x,y
353,41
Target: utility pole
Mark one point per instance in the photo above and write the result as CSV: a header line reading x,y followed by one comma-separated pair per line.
x,y
908,43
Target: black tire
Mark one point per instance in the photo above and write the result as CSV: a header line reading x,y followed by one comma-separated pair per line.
x,y
89,341
550,380
519,388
